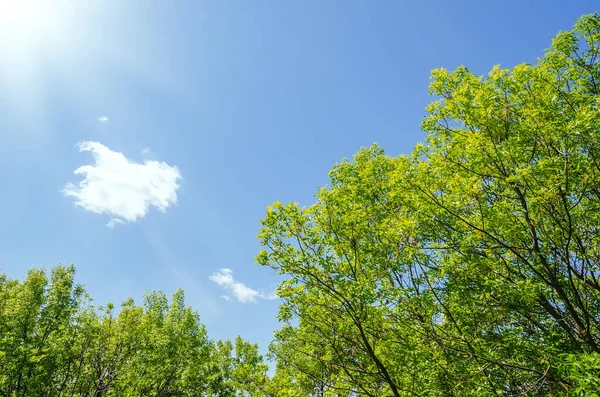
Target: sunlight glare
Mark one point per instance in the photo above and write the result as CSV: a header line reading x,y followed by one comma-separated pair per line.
x,y
23,22
31,37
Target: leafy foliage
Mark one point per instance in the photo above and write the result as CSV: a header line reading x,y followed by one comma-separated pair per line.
x,y
468,267
53,342
584,371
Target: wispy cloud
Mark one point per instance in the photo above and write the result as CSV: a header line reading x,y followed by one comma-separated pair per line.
x,y
103,119
113,222
123,189
146,151
241,292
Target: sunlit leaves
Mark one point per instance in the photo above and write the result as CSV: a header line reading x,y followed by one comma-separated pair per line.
x,y
53,343
467,267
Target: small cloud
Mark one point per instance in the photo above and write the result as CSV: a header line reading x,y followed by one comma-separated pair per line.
x,y
113,222
271,296
123,189
242,293
103,119
226,298
146,151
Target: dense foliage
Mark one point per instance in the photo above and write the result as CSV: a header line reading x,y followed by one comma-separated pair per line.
x,y
471,266
53,342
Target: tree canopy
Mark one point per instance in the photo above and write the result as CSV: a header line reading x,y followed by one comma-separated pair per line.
x,y
470,266
53,342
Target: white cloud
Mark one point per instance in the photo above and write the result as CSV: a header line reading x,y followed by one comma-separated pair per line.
x,y
103,119
113,222
146,151
243,293
121,188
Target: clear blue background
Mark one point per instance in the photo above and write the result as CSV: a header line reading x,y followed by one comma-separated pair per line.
x,y
252,100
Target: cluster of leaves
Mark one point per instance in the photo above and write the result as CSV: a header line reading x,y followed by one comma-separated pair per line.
x,y
584,371
470,267
53,342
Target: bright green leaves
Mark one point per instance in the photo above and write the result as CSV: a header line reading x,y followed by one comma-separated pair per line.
x,y
583,370
345,259
53,342
35,319
466,267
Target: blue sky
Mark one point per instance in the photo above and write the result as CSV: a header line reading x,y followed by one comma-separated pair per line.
x,y
191,117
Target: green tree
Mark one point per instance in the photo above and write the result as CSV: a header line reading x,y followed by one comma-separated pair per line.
x,y
237,369
468,267
36,328
54,342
